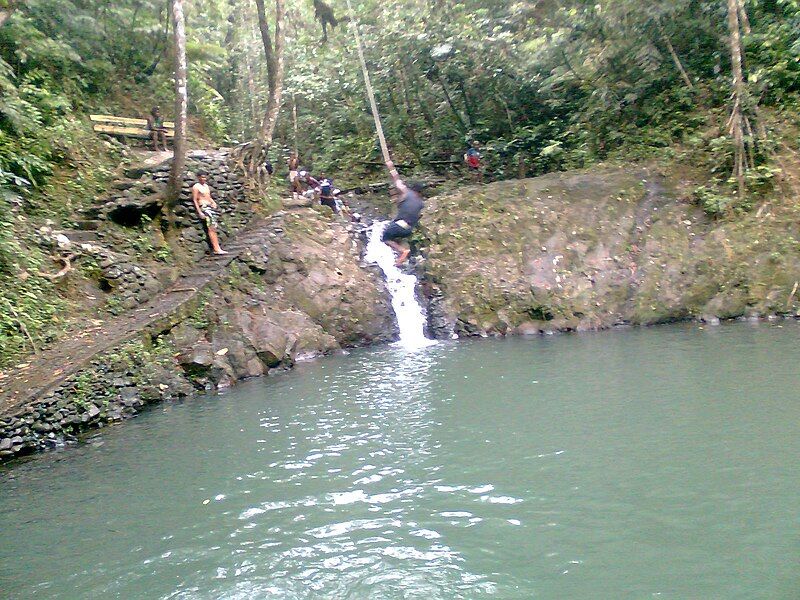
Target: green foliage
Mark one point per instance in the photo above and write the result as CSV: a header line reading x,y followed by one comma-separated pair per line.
x,y
199,318
164,253
719,199
713,202
773,52
28,315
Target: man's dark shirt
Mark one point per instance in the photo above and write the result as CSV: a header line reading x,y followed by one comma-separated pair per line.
x,y
326,188
410,208
155,123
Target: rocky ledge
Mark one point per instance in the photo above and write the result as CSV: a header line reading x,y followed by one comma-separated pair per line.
x,y
595,249
298,293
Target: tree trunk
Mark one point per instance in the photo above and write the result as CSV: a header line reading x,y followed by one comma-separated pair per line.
x,y
676,60
470,112
7,11
181,103
745,22
409,114
251,89
736,123
294,124
460,119
274,56
424,107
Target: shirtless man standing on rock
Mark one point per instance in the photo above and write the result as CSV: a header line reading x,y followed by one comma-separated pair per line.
x,y
207,211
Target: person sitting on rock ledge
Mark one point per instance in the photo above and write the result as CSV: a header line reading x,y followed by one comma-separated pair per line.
x,y
294,179
207,211
409,209
311,184
155,124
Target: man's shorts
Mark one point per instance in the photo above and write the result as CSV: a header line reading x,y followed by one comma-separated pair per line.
x,y
292,176
394,231
212,217
329,202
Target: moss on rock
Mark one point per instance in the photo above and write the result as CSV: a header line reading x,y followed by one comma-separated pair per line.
x,y
588,250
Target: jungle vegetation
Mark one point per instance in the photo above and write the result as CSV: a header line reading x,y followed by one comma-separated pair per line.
x,y
544,85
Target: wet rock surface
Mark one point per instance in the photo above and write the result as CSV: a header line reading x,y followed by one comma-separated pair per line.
x,y
295,290
589,250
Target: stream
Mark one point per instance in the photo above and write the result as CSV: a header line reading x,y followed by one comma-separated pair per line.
x,y
653,463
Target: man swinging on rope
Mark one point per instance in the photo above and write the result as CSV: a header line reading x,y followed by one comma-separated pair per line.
x,y
409,208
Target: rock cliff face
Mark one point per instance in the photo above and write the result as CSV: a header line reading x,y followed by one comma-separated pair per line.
x,y
578,251
299,292
569,251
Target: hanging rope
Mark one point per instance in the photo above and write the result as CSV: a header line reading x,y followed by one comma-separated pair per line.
x,y
373,105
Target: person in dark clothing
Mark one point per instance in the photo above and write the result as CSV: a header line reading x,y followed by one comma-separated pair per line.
x,y
409,209
155,125
326,195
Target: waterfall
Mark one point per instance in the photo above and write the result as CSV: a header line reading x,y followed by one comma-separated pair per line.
x,y
410,316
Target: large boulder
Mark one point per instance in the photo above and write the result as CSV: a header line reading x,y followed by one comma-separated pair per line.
x,y
317,264
587,250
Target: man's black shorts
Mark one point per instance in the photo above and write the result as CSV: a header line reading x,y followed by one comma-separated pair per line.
x,y
394,231
329,202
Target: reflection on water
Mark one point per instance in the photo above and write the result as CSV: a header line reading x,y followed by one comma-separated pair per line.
x,y
638,464
370,540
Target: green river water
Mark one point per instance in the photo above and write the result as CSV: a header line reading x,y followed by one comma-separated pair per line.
x,y
659,463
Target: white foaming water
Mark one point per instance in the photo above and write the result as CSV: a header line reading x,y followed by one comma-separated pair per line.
x,y
410,316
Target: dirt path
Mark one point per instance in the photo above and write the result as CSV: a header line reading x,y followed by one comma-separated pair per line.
x,y
21,385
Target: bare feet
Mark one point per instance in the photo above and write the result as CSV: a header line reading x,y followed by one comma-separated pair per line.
x,y
402,258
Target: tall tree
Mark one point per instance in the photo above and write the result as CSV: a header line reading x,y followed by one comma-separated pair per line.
x,y
181,105
252,155
738,124
675,59
274,56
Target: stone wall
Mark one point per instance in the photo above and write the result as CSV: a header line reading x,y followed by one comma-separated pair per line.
x,y
299,292
114,387
139,197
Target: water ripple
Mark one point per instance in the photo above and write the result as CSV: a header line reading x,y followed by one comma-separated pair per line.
x,y
439,474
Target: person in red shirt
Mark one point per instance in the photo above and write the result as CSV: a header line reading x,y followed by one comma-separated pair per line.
x,y
472,158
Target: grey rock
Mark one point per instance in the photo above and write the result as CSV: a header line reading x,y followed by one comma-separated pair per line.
x,y
128,393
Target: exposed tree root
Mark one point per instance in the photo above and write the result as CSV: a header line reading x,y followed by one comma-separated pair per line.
x,y
66,261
